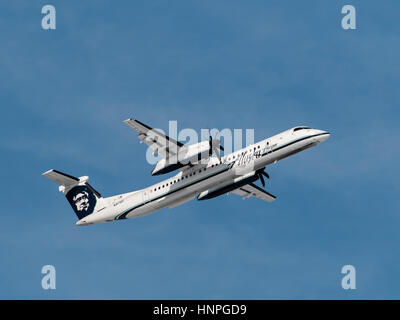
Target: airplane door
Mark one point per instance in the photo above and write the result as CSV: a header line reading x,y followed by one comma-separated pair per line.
x,y
268,147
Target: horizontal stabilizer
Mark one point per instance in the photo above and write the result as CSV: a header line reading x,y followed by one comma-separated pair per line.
x,y
61,178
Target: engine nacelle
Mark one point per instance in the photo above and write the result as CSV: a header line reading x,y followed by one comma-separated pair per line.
x,y
232,185
187,155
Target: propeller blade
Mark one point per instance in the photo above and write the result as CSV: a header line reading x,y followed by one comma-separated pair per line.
x,y
210,144
214,146
262,179
218,155
265,174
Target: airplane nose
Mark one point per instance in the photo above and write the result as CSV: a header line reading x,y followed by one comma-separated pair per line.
x,y
325,135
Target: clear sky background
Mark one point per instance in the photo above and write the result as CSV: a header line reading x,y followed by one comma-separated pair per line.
x,y
267,65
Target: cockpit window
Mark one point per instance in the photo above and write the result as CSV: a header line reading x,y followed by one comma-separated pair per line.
x,y
300,128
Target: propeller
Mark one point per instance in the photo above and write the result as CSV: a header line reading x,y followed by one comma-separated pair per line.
x,y
214,146
262,173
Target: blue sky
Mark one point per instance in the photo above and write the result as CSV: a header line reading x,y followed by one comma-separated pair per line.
x,y
267,65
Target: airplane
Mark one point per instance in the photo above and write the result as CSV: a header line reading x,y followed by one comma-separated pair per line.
x,y
200,174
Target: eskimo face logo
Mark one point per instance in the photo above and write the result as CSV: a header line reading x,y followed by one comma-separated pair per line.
x,y
81,201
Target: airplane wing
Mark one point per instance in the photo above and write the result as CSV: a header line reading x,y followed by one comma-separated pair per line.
x,y
158,142
252,190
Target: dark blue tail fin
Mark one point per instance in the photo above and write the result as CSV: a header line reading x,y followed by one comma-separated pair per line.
x,y
82,199
80,194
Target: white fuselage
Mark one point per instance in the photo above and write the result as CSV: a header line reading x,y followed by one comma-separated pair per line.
x,y
188,183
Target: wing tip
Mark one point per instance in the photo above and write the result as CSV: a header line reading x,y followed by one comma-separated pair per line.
x,y
47,172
